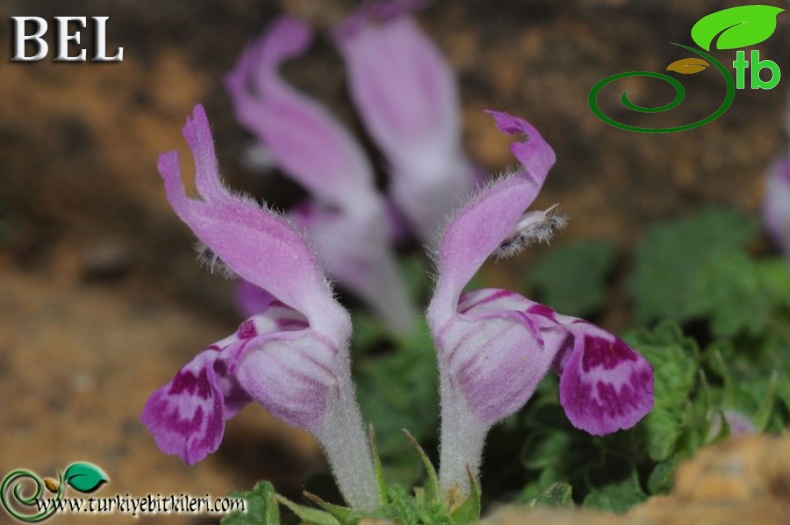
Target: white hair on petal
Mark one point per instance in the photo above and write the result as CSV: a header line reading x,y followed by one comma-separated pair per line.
x,y
535,227
206,257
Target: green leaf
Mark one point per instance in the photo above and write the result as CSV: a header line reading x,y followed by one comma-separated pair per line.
x,y
741,26
85,477
673,256
261,509
572,278
555,455
730,289
615,496
766,409
660,480
468,511
432,484
557,495
775,279
675,361
374,448
343,514
309,515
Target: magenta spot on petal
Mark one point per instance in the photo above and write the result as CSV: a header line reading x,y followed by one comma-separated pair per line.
x,y
606,354
247,330
186,382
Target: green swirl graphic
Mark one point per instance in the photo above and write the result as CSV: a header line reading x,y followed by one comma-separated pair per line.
x,y
15,479
680,95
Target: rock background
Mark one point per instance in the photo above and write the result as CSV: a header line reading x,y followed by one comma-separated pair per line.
x,y
101,300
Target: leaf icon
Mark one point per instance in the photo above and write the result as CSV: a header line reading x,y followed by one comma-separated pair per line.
x,y
736,27
688,66
85,477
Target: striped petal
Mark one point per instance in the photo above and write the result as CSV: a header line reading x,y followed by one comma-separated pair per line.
x,y
408,99
306,141
258,245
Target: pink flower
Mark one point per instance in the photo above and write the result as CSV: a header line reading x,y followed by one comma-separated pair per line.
x,y
494,346
408,99
291,357
346,217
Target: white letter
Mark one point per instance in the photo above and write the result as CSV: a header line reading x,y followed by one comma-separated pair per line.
x,y
64,37
100,29
20,38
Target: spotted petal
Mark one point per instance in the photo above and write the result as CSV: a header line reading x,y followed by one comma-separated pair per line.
x,y
605,385
186,415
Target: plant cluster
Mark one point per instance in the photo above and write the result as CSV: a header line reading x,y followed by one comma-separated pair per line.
x,y
711,331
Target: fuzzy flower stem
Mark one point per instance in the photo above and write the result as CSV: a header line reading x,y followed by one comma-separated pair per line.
x,y
462,441
345,443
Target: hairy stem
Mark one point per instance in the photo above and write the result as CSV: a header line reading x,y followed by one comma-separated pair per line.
x,y
461,441
343,437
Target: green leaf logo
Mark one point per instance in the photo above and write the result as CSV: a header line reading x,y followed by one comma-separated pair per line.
x,y
85,477
736,27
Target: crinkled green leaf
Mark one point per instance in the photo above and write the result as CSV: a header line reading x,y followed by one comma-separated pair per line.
x,y
741,26
730,290
85,477
555,455
572,278
261,509
547,450
775,278
557,495
407,509
674,255
616,496
675,361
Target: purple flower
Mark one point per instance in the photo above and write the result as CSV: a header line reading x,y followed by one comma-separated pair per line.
x,y
408,99
291,357
494,346
346,217
776,209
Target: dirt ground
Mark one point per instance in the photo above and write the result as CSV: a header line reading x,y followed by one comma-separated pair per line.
x,y
101,299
